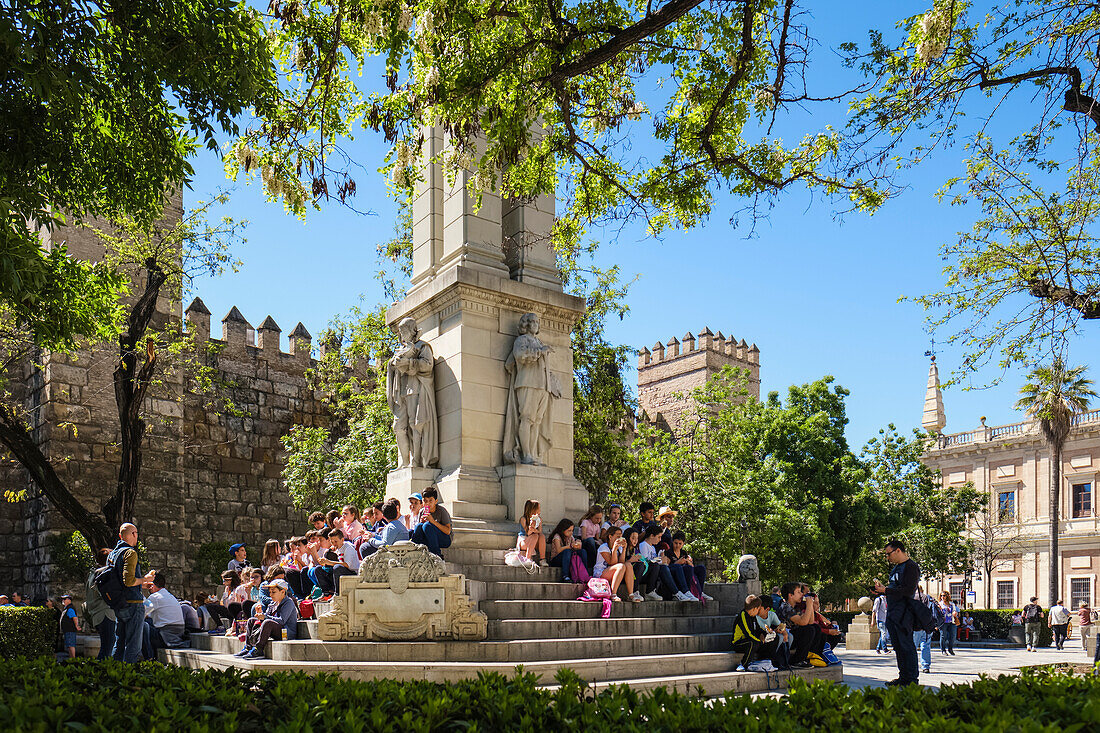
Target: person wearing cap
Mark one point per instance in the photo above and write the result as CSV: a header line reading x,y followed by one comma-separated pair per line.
x,y
238,557
666,517
70,624
410,520
279,615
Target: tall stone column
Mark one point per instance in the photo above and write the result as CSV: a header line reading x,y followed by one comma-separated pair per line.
x,y
467,301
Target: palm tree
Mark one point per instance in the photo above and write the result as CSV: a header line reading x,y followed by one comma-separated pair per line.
x,y
1054,395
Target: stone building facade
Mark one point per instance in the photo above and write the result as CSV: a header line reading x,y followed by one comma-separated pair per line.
x,y
207,474
682,365
1012,463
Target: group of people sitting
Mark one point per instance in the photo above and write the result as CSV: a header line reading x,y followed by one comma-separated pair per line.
x,y
646,557
784,630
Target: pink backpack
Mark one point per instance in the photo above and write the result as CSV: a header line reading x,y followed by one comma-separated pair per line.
x,y
598,590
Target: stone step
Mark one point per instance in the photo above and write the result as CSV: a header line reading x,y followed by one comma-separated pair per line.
x,y
484,535
723,684
594,670
609,627
581,609
505,573
476,510
515,651
533,591
468,556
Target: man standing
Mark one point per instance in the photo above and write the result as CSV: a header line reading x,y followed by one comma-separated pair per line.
x,y
878,616
70,624
1058,620
1033,619
900,593
164,618
130,619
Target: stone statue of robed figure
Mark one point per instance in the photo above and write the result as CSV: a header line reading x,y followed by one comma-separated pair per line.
x,y
532,388
410,389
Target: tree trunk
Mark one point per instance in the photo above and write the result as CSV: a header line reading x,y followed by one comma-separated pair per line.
x,y
17,439
1055,494
131,383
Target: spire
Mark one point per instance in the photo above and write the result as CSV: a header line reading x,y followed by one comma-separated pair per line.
x,y
934,418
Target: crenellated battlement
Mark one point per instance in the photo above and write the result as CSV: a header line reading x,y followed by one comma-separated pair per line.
x,y
238,332
705,341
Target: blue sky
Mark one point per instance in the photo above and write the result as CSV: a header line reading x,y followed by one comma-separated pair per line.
x,y
817,294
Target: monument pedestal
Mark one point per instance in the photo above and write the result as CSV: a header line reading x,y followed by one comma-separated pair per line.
x,y
558,496
862,634
401,483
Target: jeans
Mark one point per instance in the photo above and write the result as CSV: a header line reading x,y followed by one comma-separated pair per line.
x,y
564,560
428,534
947,637
106,629
590,548
883,637
129,629
1031,634
922,640
1061,631
299,582
905,651
680,577
805,639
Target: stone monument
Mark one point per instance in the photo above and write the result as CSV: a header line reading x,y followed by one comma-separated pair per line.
x,y
748,572
486,294
403,592
862,634
410,389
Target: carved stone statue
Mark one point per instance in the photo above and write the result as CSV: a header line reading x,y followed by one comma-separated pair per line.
x,y
747,568
532,388
410,388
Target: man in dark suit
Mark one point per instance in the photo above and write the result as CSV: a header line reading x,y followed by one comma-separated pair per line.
x,y
900,593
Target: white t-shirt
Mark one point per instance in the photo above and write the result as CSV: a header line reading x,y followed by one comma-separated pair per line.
x,y
620,523
648,551
164,609
1059,615
348,554
601,564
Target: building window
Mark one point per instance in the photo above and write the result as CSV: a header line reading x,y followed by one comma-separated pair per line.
x,y
1006,507
1082,500
1080,591
1006,594
958,592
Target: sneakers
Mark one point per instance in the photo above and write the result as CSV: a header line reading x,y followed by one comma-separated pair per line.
x,y
253,653
543,563
680,596
316,594
691,597
951,652
706,598
326,598
926,670
220,631
244,652
636,597
740,668
653,596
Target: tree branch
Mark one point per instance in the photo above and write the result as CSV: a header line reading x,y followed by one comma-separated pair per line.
x,y
1047,289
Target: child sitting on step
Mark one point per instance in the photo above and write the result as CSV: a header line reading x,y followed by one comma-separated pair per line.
x,y
563,545
531,538
612,565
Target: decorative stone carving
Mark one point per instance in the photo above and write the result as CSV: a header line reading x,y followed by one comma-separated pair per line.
x,y
410,389
532,388
747,569
403,592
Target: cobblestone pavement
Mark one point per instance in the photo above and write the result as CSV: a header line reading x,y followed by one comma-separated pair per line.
x,y
867,669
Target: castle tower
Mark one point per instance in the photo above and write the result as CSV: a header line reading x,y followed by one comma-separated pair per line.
x,y
475,272
682,365
934,417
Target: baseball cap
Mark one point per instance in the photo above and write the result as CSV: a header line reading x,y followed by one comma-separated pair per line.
x,y
278,583
418,496
233,548
66,596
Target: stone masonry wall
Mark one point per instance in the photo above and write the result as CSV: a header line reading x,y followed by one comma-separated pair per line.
x,y
681,366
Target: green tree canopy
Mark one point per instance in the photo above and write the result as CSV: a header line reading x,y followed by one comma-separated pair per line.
x,y
102,104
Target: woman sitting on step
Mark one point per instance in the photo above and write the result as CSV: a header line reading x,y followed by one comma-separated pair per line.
x,y
563,545
590,534
531,537
633,538
612,565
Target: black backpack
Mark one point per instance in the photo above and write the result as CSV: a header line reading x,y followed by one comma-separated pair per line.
x,y
937,612
108,582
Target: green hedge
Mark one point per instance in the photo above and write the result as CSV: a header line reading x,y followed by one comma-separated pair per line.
x,y
991,624
86,694
27,631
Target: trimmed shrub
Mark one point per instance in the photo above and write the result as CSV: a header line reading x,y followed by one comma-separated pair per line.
x,y
41,695
995,623
72,558
26,631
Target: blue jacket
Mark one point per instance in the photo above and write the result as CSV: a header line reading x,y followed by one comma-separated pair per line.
x,y
285,614
391,533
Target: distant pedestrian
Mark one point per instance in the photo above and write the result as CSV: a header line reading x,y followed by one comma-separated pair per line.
x,y
901,593
950,623
1084,619
1058,620
1033,619
70,624
878,615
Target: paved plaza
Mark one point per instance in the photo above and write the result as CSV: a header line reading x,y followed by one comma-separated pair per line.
x,y
867,669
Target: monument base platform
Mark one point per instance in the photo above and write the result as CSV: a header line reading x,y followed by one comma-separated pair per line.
x,y
534,621
861,634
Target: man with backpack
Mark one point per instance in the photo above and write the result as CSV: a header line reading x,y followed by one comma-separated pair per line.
x,y
923,639
1033,623
120,585
901,617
